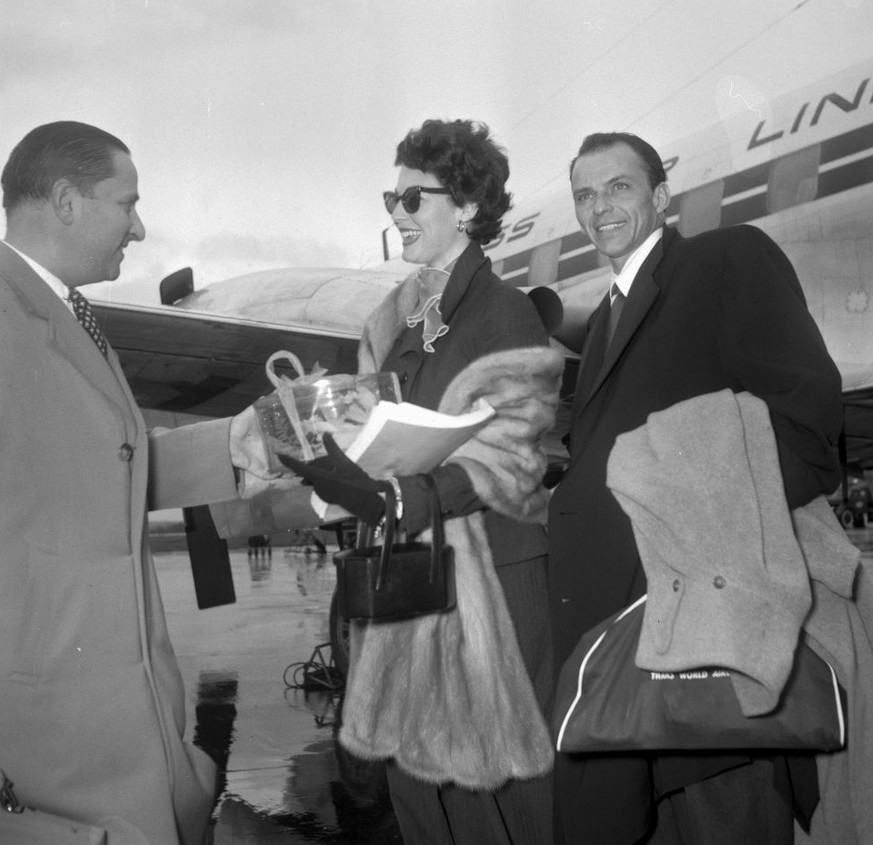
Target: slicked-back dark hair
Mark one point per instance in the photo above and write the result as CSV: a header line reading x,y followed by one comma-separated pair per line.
x,y
62,150
598,141
465,158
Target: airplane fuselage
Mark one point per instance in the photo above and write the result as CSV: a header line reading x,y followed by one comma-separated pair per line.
x,y
800,168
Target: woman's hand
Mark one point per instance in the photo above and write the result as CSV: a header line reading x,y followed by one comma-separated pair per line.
x,y
340,481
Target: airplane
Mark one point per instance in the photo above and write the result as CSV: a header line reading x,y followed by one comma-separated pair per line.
x,y
800,168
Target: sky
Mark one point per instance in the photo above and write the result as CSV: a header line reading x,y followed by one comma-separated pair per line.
x,y
264,131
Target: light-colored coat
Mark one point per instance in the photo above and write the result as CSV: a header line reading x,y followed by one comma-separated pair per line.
x,y
91,700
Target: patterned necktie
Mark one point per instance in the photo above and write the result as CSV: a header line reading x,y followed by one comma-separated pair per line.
x,y
618,300
85,316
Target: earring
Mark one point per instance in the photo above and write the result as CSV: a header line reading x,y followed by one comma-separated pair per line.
x,y
461,225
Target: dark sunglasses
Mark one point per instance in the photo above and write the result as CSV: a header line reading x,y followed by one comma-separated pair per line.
x,y
411,198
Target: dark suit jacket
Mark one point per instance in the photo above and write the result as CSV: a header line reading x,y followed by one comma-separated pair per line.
x,y
721,310
484,315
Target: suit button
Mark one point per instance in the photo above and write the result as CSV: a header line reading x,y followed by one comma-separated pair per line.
x,y
403,378
718,582
677,585
125,452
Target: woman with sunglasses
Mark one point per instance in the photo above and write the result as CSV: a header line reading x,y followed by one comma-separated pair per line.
x,y
456,700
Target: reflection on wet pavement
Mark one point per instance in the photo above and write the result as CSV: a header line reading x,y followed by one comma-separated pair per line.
x,y
261,704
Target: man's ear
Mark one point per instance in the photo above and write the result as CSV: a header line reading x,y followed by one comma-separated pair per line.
x,y
65,200
661,197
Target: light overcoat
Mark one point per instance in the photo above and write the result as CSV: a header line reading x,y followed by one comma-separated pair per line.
x,y
91,703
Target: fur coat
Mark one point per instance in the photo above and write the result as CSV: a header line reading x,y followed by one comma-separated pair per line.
x,y
447,695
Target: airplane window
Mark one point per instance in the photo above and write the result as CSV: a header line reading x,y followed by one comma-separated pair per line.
x,y
793,179
700,208
544,263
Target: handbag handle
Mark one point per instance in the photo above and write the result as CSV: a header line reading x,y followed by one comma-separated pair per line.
x,y
436,524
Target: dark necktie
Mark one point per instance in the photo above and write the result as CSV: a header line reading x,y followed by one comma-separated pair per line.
x,y
85,316
618,300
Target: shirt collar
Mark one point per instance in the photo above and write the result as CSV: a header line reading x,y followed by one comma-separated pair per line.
x,y
624,279
49,278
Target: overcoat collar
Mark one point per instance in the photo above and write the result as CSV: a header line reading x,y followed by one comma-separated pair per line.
x,y
42,303
470,261
387,322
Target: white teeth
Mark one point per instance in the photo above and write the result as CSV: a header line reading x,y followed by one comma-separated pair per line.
x,y
410,234
609,227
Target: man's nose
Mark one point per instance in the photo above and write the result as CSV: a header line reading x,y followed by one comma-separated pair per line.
x,y
137,230
602,204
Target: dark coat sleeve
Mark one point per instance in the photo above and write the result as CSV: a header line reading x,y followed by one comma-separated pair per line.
x,y
770,343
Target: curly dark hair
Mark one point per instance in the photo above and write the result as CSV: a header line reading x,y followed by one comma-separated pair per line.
x,y
466,160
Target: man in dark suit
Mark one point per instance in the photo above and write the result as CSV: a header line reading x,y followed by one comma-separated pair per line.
x,y
686,317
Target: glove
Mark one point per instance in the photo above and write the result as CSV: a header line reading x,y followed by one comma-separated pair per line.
x,y
340,481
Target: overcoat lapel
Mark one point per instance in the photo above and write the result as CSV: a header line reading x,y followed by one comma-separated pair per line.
x,y
40,302
643,294
593,352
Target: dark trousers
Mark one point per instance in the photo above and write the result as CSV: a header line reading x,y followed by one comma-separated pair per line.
x,y
520,812
740,806
737,807
517,814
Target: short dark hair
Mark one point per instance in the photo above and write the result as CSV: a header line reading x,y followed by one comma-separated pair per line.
x,y
466,160
604,140
62,150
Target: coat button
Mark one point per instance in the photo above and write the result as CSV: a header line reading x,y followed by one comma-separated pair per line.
x,y
718,582
125,452
403,378
677,585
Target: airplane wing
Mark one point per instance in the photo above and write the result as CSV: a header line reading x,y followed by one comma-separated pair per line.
x,y
204,355
210,365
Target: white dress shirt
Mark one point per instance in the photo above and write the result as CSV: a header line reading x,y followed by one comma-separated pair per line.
x,y
624,279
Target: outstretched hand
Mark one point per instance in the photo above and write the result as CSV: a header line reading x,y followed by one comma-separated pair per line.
x,y
248,451
339,480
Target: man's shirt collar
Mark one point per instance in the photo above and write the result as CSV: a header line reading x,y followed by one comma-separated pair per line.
x,y
624,279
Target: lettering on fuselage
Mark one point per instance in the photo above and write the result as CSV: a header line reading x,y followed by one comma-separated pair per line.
x,y
833,159
519,229
845,105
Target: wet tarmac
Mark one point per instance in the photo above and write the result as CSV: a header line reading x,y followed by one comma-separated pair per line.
x,y
284,778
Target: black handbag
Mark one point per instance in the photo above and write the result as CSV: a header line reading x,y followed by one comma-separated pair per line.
x,y
395,581
604,702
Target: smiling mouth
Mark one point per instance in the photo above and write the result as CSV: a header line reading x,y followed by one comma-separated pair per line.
x,y
410,235
608,227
